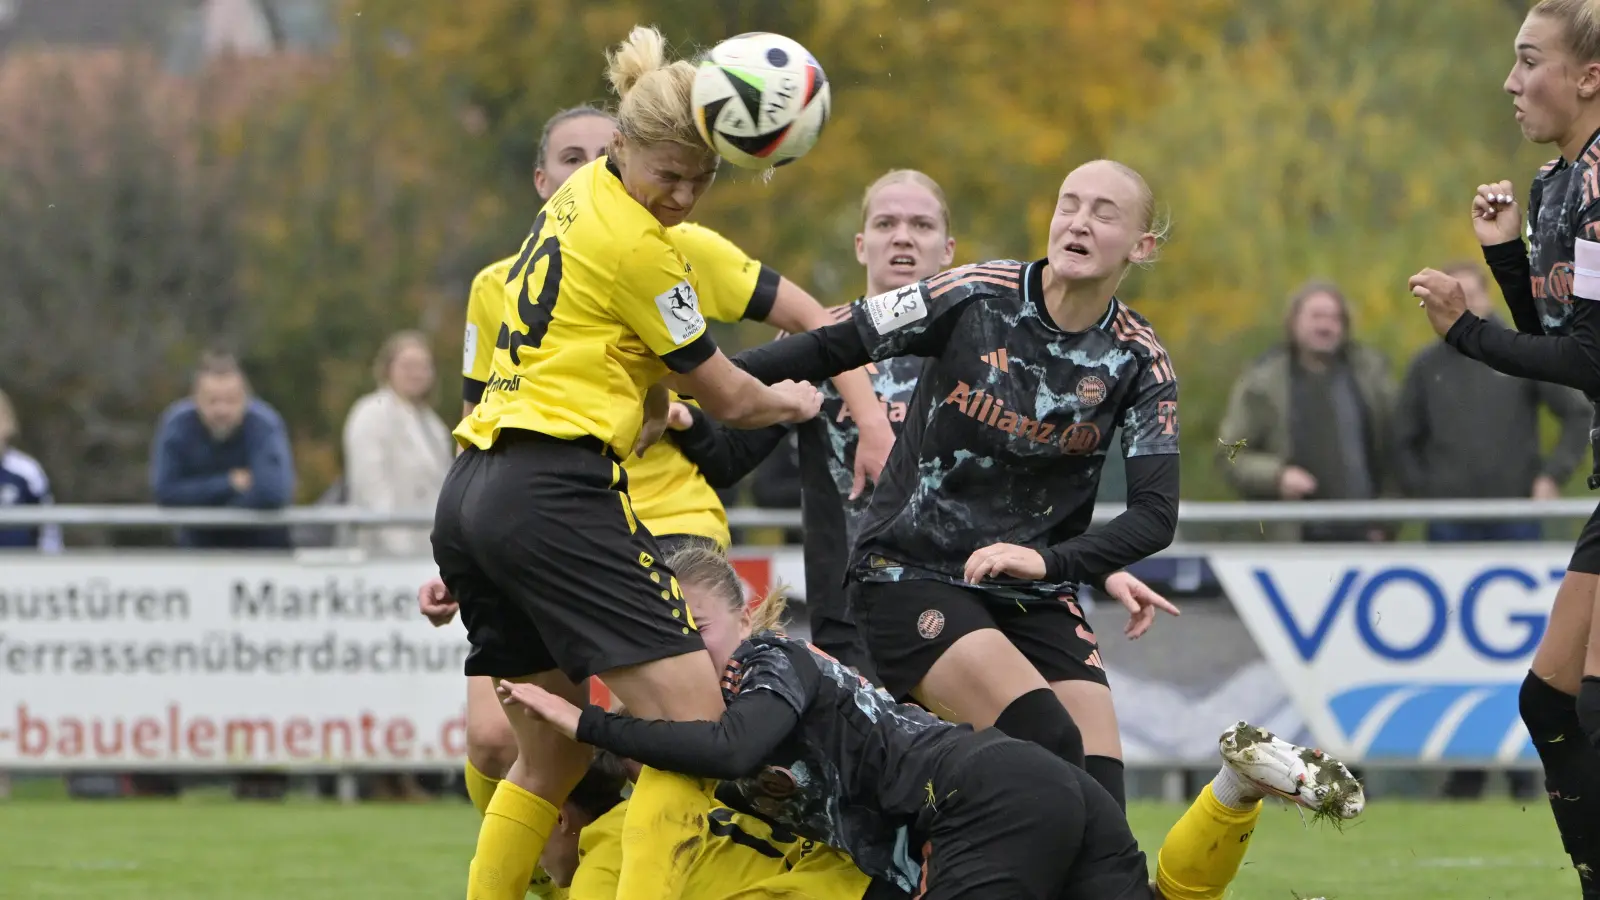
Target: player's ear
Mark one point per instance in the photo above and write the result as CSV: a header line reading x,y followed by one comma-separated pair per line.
x,y
1143,249
861,248
1589,80
949,253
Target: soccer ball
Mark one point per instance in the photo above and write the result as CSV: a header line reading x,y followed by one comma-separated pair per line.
x,y
760,100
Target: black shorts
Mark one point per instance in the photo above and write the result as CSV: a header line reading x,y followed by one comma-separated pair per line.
x,y
1586,554
537,542
1013,821
909,624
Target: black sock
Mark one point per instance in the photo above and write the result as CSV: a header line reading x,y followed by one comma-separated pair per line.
x,y
1108,771
1038,716
1571,772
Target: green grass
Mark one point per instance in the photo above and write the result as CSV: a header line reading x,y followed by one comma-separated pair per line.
x,y
209,848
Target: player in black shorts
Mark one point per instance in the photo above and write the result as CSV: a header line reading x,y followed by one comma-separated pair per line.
x,y
968,560
1552,288
535,536
905,237
924,806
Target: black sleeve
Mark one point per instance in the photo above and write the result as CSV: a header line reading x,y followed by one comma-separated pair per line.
x,y
764,295
1572,359
691,355
732,747
1145,528
726,455
472,390
815,355
1509,263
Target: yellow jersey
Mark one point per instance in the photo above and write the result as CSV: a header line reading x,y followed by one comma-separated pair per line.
x,y
666,490
597,306
743,858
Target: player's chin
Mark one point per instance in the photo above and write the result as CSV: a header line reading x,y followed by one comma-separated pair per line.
x,y
1078,266
670,217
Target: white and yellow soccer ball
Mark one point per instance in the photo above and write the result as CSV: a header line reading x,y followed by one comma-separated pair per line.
x,y
760,100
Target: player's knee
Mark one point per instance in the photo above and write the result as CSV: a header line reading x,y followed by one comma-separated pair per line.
x,y
1038,716
1547,712
491,745
1588,709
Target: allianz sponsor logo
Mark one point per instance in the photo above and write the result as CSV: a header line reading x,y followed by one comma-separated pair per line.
x,y
1401,654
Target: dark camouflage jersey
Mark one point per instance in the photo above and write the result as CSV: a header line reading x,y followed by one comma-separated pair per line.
x,y
1564,207
827,446
1006,433
855,772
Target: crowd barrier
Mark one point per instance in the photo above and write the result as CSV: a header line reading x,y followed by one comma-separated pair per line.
x,y
1404,655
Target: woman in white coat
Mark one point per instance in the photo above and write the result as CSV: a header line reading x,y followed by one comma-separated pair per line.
x,y
396,448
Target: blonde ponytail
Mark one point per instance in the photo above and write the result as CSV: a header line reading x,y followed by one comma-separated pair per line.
x,y
654,93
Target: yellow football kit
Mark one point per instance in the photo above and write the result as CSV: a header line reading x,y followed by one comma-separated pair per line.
x,y
741,859
597,306
667,491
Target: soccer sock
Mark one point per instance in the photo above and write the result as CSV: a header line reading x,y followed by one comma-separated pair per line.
x,y
1039,717
480,787
663,832
1203,851
1570,773
515,828
1108,771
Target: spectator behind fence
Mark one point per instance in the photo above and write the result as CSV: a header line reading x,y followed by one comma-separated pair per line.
x,y
1448,403
222,447
1311,419
396,448
22,483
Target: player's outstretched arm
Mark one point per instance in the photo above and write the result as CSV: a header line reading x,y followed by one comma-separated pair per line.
x,y
733,396
724,455
755,723
808,356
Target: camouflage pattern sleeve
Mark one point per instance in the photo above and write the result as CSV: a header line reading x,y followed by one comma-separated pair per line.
x,y
1149,423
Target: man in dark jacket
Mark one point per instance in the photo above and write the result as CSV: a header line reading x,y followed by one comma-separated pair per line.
x,y
223,447
1463,431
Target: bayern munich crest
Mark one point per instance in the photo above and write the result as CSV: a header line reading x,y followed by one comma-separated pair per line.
x,y
1091,390
930,623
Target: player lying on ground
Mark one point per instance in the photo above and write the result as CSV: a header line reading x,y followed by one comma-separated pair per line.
x,y
1552,288
968,560
534,534
905,237
920,803
668,494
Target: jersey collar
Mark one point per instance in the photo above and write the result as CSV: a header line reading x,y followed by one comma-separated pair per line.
x,y
1033,294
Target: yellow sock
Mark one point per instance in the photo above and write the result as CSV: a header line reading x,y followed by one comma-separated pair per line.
x,y
480,788
1203,851
515,828
663,833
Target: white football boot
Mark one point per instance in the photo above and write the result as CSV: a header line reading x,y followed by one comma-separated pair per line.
x,y
1301,775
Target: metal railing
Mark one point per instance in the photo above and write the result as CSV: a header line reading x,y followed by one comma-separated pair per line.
x,y
1189,513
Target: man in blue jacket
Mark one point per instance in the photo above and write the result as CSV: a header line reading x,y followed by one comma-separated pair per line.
x,y
223,447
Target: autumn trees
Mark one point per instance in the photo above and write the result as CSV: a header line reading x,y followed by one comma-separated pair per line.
x,y
303,209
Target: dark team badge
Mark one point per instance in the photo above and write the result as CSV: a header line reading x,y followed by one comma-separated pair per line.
x,y
930,624
1091,390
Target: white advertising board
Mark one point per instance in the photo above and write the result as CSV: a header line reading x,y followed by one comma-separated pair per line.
x,y
220,662
1401,653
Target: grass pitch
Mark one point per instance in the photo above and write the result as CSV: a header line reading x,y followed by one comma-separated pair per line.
x,y
206,848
